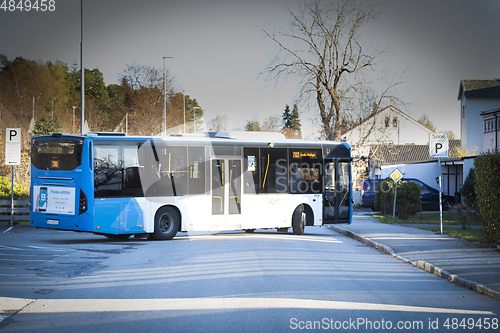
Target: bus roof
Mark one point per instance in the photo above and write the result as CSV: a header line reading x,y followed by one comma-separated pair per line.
x,y
256,139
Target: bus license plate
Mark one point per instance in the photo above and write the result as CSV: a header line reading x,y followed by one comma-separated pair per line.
x,y
53,222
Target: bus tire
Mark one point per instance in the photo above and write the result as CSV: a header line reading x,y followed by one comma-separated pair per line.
x,y
249,230
167,222
299,219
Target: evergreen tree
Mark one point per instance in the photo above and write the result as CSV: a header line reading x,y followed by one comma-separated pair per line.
x,y
46,125
295,120
291,119
287,117
253,126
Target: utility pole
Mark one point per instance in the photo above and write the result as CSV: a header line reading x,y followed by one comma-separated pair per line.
x,y
164,130
82,74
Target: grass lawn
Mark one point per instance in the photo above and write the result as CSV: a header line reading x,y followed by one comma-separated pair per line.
x,y
431,219
7,223
473,235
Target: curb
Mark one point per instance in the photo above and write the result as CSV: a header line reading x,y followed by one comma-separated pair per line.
x,y
431,268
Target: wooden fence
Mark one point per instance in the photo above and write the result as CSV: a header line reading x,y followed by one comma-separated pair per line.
x,y
21,210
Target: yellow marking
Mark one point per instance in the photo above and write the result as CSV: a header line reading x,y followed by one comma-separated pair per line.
x,y
267,168
215,196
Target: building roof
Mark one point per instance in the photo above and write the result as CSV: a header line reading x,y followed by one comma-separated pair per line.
x,y
479,88
395,154
490,112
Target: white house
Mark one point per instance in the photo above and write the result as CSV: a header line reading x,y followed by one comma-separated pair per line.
x,y
476,96
491,129
389,125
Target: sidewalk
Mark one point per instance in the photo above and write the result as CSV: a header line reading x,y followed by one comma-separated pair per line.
x,y
472,265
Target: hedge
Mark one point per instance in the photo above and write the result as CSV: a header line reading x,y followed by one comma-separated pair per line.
x,y
407,201
487,169
20,192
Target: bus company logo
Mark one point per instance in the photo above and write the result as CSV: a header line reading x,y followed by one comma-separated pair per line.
x,y
275,201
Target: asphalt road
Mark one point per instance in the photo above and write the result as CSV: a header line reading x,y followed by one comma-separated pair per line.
x,y
54,281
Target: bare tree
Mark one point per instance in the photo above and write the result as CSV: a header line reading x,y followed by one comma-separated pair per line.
x,y
324,48
219,123
272,124
145,95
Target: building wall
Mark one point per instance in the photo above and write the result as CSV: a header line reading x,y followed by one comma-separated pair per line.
x,y
426,172
451,173
491,135
471,126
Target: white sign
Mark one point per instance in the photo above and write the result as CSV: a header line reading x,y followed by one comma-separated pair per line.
x,y
438,145
251,163
54,199
396,175
12,146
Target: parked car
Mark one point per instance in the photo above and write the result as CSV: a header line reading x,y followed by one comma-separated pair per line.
x,y
429,195
368,188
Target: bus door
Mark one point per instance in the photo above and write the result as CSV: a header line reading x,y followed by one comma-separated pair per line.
x,y
337,205
226,192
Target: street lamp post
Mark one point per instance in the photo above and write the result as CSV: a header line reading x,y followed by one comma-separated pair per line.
x,y
164,98
184,110
52,107
194,117
82,71
74,107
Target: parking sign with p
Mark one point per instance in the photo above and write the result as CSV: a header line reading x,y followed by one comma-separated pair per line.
x,y
438,145
12,146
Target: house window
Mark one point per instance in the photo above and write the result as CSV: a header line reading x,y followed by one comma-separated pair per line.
x,y
395,122
485,127
387,120
463,111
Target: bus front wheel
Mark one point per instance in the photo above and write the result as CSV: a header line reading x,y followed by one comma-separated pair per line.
x,y
299,219
167,222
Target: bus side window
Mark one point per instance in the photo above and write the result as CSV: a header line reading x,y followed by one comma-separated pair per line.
x,y
132,180
107,171
274,175
196,165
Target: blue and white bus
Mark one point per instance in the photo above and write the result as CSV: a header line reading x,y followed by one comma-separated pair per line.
x,y
118,186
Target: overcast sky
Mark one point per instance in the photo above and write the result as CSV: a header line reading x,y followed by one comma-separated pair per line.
x,y
218,49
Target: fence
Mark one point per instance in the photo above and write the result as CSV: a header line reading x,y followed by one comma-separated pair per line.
x,y
21,210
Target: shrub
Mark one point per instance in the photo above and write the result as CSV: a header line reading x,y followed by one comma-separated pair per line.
x,y
20,192
407,200
468,189
487,167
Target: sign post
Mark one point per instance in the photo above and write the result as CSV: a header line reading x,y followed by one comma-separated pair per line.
x,y
12,157
439,148
396,175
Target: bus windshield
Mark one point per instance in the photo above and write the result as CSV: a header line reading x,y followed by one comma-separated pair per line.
x,y
54,154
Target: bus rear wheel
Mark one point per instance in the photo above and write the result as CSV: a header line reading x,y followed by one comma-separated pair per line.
x,y
299,219
167,222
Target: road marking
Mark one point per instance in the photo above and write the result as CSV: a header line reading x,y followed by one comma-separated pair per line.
x,y
216,303
12,248
23,260
31,247
257,235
